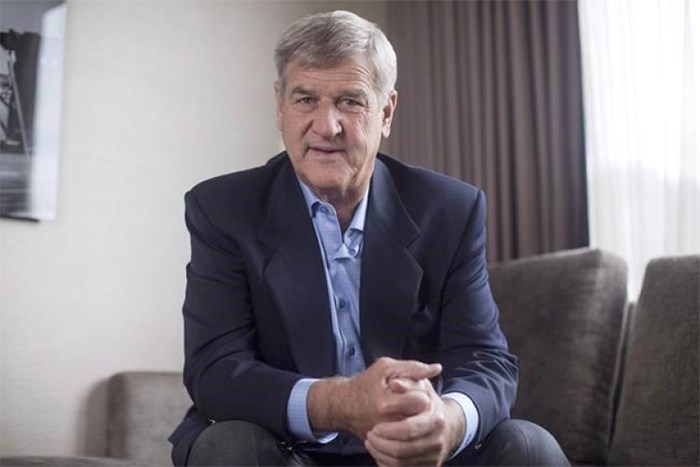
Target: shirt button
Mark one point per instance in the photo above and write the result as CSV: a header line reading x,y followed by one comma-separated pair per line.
x,y
351,352
353,251
341,303
324,209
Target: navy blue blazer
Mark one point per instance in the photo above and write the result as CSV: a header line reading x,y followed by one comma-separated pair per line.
x,y
257,313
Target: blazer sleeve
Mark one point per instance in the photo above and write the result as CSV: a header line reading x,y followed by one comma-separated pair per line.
x,y
223,371
473,350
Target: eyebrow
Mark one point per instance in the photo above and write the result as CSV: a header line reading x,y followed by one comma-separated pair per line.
x,y
353,93
302,90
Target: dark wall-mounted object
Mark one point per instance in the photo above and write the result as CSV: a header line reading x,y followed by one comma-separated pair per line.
x,y
31,76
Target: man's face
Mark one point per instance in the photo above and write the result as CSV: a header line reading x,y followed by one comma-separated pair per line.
x,y
332,122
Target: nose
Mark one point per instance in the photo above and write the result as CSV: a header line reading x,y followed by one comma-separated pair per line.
x,y
326,121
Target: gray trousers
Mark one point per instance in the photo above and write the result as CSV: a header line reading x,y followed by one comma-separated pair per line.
x,y
512,442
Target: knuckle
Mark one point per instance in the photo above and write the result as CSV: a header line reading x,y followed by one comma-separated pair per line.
x,y
383,406
418,401
399,452
380,406
384,362
394,451
440,422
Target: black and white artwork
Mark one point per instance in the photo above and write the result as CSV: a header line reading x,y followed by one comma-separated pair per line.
x,y
31,83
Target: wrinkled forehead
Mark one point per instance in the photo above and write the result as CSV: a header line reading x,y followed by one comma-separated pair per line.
x,y
356,66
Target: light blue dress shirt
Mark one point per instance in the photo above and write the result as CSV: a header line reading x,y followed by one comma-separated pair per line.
x,y
342,257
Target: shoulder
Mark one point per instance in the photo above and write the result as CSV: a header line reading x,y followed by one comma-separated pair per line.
x,y
241,194
423,189
237,202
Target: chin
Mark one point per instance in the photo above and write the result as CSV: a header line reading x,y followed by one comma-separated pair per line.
x,y
328,185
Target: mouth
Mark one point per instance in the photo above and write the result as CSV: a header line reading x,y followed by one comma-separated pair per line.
x,y
326,150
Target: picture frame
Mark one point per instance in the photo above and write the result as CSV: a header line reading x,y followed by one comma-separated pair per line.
x,y
31,86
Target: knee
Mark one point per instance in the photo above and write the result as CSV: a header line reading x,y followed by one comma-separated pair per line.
x,y
524,443
235,442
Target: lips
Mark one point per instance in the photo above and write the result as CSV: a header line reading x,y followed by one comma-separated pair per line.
x,y
325,149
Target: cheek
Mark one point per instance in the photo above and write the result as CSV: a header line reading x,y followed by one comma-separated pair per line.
x,y
292,134
302,127
369,133
362,130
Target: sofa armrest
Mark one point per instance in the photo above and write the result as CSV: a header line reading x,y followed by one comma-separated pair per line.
x,y
143,409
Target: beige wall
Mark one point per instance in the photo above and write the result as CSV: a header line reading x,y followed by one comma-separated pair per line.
x,y
158,95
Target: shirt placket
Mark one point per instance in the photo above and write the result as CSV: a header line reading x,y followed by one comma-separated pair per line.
x,y
346,312
338,259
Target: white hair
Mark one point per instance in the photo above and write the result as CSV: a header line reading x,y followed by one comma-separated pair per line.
x,y
324,40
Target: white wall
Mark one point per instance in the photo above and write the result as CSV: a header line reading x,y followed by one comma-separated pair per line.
x,y
158,95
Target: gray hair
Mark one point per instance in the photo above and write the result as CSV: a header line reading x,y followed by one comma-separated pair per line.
x,y
324,40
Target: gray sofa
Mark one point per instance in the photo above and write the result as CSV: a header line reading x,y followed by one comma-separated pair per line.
x,y
616,384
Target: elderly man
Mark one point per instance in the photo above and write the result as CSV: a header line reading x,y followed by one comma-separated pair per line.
x,y
338,310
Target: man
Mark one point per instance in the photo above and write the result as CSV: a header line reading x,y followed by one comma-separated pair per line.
x,y
338,309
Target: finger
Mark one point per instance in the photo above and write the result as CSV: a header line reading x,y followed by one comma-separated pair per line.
x,y
413,369
403,404
401,384
428,459
382,459
405,450
387,458
409,429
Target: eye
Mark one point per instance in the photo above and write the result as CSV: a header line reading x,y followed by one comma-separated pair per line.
x,y
352,105
304,103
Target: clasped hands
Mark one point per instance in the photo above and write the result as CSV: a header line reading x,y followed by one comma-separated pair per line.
x,y
392,407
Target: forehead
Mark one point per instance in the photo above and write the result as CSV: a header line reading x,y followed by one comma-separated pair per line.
x,y
352,73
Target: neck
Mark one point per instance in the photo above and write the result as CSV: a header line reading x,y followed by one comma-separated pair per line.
x,y
344,203
344,216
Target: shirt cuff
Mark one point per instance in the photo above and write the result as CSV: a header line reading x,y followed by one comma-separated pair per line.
x,y
298,417
471,418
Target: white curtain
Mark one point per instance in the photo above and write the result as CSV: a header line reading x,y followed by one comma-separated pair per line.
x,y
641,66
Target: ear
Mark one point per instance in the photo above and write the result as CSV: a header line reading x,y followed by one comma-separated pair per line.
x,y
388,113
278,105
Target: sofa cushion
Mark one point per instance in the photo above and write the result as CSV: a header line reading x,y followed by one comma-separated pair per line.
x,y
143,409
658,417
563,316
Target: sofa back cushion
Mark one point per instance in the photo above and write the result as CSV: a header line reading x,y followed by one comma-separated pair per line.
x,y
563,315
658,417
143,409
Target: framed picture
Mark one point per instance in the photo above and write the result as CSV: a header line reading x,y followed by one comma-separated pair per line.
x,y
31,85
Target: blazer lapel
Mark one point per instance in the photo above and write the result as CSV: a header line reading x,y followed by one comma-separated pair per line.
x,y
390,277
295,274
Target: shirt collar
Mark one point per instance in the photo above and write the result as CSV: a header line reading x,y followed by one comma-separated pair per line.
x,y
358,218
